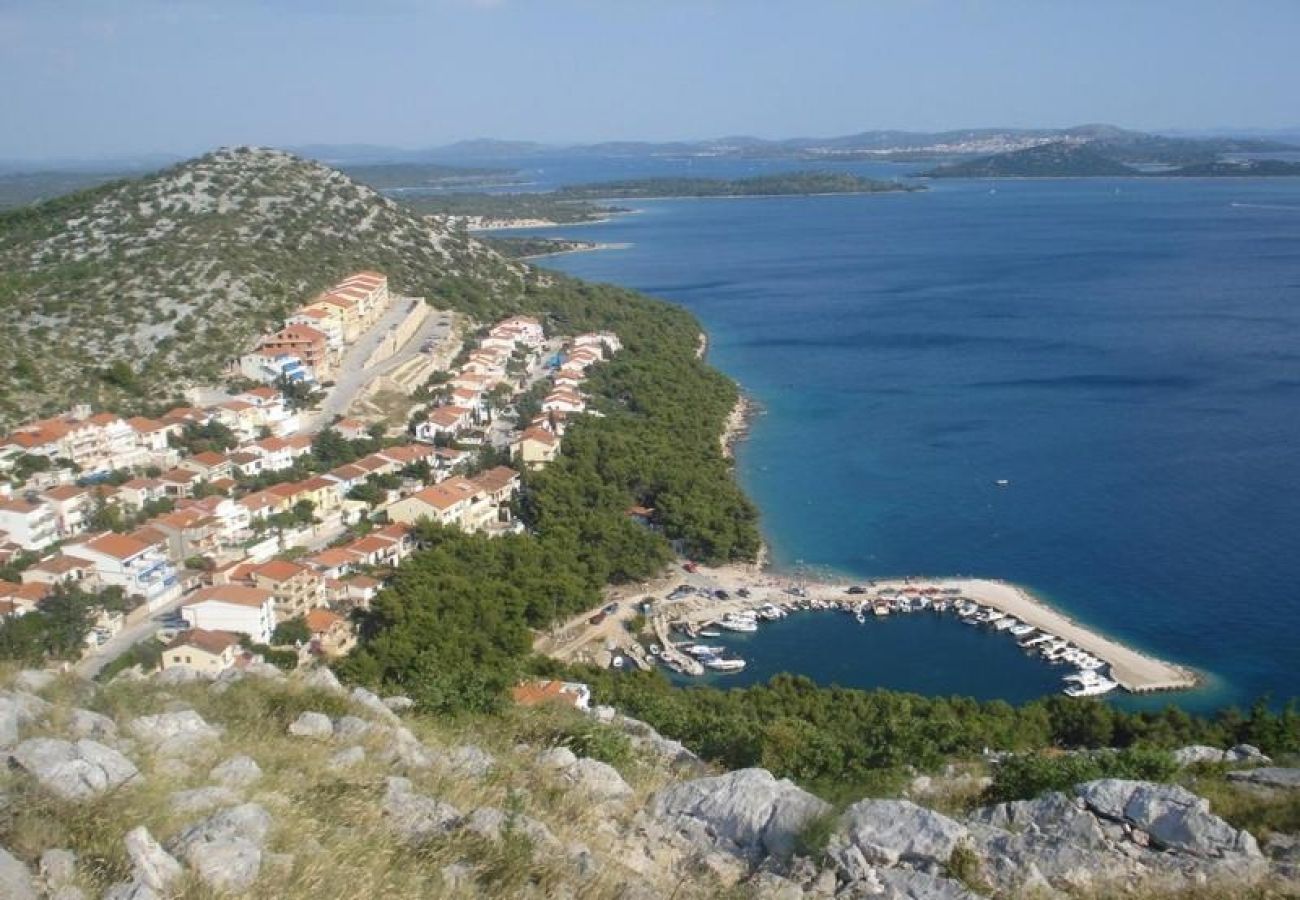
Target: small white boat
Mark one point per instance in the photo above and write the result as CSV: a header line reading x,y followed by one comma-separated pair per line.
x,y
1092,689
618,662
702,650
1002,482
710,634
745,625
725,665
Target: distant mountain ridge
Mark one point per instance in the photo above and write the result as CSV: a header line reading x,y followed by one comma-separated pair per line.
x,y
175,273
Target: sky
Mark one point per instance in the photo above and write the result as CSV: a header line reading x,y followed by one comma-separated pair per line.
x,y
96,78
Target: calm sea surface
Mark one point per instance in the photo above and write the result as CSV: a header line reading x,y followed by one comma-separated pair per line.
x,y
1126,352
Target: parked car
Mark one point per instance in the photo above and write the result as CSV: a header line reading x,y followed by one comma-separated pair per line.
x,y
611,609
596,619
721,594
856,589
690,566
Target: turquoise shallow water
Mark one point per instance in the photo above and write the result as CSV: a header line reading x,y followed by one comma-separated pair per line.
x,y
1125,352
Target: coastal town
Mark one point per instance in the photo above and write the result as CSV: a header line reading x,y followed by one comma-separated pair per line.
x,y
212,533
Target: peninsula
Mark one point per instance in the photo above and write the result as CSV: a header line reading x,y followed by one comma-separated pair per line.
x,y
784,184
1101,160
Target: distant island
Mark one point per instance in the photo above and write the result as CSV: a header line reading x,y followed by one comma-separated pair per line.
x,y
1045,161
787,183
508,210
1101,159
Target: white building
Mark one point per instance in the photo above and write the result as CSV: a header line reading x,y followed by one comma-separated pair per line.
x,y
140,569
232,607
32,525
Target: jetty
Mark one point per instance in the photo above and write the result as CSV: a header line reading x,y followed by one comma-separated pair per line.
x,y
670,654
1136,672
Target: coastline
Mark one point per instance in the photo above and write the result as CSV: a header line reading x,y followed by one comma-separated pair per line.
x,y
587,247
1135,672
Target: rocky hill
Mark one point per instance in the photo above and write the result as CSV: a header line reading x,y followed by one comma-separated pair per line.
x,y
258,784
175,273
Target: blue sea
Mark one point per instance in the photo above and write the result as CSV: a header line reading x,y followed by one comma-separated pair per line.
x,y
1125,352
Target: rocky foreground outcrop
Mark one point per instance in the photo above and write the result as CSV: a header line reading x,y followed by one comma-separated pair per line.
x,y
188,794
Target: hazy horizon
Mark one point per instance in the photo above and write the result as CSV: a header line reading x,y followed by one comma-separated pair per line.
x,y
97,79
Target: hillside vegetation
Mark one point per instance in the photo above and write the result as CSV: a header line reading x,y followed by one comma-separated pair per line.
x,y
176,273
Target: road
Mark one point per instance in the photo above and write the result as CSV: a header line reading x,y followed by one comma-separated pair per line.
x,y
352,374
124,640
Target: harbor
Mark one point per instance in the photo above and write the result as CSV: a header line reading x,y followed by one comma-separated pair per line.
x,y
691,607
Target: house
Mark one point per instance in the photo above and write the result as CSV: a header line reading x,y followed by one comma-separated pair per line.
x,y
209,464
153,434
332,562
20,599
563,400
296,588
357,590
303,341
139,491
188,532
569,693
60,568
536,447
322,492
352,429
448,502
279,453
179,482
321,319
331,634
210,652
525,330
232,518
271,366
603,342
29,523
443,420
232,607
139,567
73,505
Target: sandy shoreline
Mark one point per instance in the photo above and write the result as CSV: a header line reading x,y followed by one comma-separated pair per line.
x,y
737,425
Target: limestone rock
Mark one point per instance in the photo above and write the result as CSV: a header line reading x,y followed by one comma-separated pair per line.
x,y
74,771
770,886
399,704
346,759
405,749
312,725
225,849
906,884
83,723
176,675
18,708
415,817
173,733
370,702
1174,817
34,680
470,761
598,780
322,679
58,867
351,728
152,866
888,832
237,772
747,812
15,878
202,799
1269,777
1197,753
1246,754
1054,815
556,758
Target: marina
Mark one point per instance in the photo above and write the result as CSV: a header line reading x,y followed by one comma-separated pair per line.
x,y
689,610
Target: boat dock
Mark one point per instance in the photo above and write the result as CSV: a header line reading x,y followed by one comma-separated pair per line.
x,y
1136,672
670,654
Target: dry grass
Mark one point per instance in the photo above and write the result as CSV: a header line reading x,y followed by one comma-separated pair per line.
x,y
331,823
